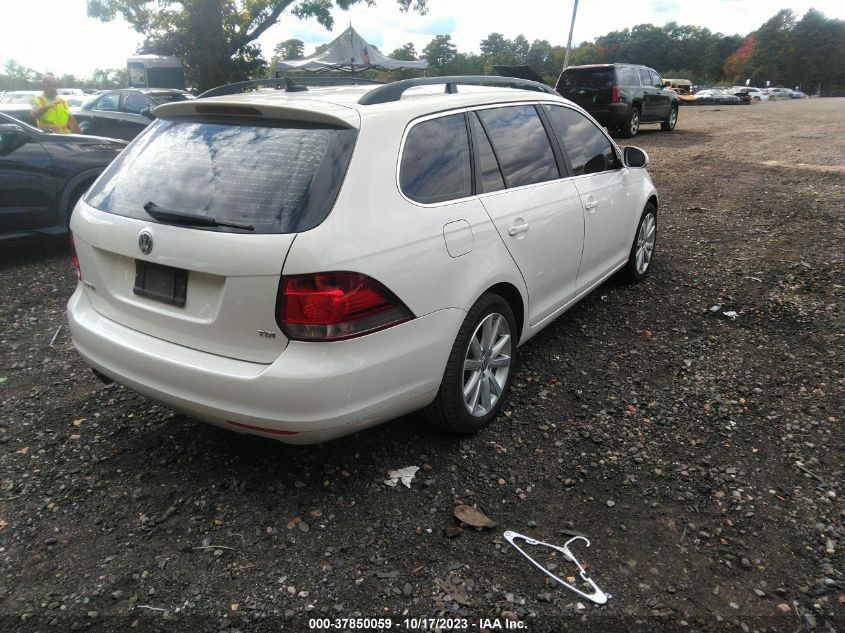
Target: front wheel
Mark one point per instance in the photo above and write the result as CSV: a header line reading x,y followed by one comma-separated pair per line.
x,y
642,250
479,370
668,124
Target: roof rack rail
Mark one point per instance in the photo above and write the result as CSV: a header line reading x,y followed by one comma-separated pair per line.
x,y
288,84
394,91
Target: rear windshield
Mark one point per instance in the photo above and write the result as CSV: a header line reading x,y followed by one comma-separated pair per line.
x,y
585,79
279,178
159,98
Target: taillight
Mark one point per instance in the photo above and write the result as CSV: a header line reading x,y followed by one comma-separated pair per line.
x,y
335,306
75,258
615,96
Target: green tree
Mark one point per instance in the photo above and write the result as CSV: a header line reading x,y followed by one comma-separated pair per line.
x,y
216,39
289,49
774,49
406,52
440,53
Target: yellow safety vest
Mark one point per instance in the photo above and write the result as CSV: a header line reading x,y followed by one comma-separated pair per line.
x,y
53,120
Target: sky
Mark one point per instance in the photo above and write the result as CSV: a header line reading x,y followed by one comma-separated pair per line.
x,y
59,36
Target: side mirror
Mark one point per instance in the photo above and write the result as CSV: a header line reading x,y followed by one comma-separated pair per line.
x,y
635,157
148,113
11,138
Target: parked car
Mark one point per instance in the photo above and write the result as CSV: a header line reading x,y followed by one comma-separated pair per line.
x,y
124,113
19,96
43,175
775,94
797,94
755,94
621,96
304,264
714,96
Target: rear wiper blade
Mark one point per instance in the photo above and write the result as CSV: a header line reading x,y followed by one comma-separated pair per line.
x,y
189,219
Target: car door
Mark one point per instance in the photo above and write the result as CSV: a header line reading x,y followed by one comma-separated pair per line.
x,y
105,116
537,214
607,191
27,182
662,96
132,122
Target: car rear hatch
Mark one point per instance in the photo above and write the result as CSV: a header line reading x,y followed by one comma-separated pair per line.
x,y
588,86
185,235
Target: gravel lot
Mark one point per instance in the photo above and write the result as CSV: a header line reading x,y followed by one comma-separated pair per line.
x,y
702,455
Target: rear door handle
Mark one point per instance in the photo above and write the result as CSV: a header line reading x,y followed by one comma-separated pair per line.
x,y
518,228
591,204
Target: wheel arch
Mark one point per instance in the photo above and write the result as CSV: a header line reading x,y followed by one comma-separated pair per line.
x,y
511,294
86,179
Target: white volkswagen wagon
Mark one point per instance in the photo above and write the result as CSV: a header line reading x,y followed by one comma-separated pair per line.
x,y
301,264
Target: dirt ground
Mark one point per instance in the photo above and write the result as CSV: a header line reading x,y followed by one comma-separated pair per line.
x,y
701,455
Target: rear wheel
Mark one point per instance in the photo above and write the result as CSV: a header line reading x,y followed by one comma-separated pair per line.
x,y
479,370
630,129
668,124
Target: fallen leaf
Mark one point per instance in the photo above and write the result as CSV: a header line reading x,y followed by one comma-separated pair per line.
x,y
235,606
79,421
23,451
4,524
473,517
3,379
75,436
294,522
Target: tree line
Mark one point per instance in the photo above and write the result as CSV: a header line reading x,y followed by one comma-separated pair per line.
x,y
216,39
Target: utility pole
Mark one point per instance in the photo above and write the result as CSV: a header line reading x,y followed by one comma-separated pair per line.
x,y
569,41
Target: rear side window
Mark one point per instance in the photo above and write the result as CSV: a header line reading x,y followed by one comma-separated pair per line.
x,y
279,177
491,175
628,76
588,149
521,144
436,161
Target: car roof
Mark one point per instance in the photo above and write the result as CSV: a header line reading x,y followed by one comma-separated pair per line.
x,y
340,103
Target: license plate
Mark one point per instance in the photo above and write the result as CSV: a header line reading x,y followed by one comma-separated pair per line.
x,y
161,283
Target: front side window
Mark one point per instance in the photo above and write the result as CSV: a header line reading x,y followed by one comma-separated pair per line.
x,y
645,79
589,150
276,176
656,81
435,163
521,144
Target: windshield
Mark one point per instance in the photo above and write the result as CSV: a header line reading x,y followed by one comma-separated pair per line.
x,y
279,176
18,97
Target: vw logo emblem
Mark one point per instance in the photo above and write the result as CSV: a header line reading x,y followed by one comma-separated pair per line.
x,y
145,242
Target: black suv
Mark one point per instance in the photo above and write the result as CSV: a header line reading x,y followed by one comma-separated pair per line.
x,y
621,96
42,176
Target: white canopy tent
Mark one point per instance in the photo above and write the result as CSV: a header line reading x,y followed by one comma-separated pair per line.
x,y
348,52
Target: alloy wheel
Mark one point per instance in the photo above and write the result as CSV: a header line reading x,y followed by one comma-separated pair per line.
x,y
645,242
487,363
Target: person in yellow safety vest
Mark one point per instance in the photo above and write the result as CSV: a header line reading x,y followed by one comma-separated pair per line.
x,y
50,112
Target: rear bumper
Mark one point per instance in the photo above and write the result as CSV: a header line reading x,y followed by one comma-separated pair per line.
x,y
611,114
313,392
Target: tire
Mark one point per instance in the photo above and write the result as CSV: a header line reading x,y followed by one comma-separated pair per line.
x,y
668,124
450,409
630,129
73,199
636,270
